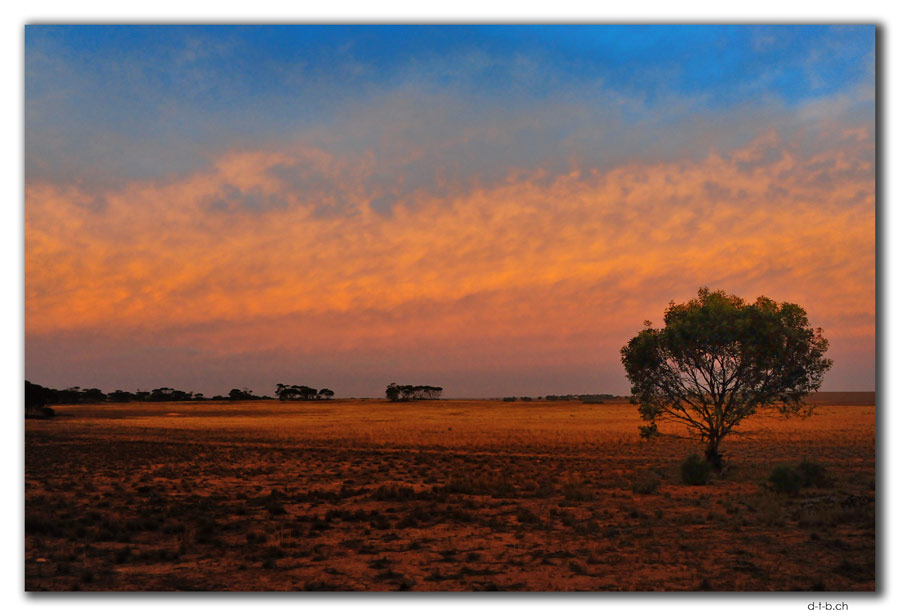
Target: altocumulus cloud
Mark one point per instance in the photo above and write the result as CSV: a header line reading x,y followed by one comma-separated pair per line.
x,y
432,225
537,260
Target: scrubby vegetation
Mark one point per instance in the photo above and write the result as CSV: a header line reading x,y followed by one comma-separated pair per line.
x,y
586,398
787,479
452,495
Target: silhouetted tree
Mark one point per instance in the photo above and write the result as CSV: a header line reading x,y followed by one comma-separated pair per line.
x,y
121,396
70,395
241,394
404,393
161,394
392,392
325,393
37,399
718,360
300,392
287,392
168,394
431,393
92,395
307,393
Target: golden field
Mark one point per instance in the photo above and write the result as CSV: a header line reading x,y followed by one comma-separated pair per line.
x,y
437,495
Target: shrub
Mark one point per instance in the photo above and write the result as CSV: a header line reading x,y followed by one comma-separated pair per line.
x,y
393,492
789,480
577,490
645,483
527,516
275,508
695,470
785,480
814,475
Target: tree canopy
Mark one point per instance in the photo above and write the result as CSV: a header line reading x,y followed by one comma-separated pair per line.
x,y
718,360
405,393
301,392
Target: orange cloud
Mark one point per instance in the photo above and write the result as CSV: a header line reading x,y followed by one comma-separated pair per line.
x,y
240,258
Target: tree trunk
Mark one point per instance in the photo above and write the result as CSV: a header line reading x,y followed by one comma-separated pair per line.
x,y
713,456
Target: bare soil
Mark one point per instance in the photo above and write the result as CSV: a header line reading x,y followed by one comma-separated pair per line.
x,y
437,495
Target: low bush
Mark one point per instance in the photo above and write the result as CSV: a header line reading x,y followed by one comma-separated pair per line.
x,y
785,480
814,475
695,471
645,483
527,516
789,480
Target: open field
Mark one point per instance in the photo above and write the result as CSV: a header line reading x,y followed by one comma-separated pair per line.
x,y
437,495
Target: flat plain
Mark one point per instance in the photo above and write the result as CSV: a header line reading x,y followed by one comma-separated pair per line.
x,y
447,495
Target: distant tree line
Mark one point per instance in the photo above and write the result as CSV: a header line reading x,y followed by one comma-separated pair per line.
x,y
586,398
405,393
39,398
302,392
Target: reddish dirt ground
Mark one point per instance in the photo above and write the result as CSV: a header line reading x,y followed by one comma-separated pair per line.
x,y
439,495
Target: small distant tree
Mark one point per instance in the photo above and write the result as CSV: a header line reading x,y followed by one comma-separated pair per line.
x,y
161,394
308,393
241,394
392,392
37,399
301,392
284,392
404,393
718,360
92,395
430,392
121,396
70,395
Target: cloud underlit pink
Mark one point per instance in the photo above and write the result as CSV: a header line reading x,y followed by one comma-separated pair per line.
x,y
251,256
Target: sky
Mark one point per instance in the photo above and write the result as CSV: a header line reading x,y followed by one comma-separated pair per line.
x,y
496,210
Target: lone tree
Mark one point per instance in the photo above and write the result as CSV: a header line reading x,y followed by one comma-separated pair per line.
x,y
718,360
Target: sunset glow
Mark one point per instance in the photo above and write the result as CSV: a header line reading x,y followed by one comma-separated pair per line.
x,y
471,209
